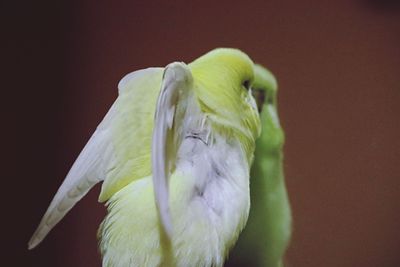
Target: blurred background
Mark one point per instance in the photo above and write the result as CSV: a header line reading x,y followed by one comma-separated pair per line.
x,y
337,63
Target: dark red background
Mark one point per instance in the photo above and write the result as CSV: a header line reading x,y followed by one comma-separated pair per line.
x,y
337,63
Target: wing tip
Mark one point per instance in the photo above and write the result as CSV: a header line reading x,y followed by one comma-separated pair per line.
x,y
40,233
31,245
34,241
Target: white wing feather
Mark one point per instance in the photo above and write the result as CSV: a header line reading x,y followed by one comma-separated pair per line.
x,y
87,170
177,81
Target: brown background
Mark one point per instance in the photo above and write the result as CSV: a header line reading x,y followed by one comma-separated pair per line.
x,y
337,63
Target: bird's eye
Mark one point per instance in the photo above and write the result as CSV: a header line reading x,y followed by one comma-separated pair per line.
x,y
246,85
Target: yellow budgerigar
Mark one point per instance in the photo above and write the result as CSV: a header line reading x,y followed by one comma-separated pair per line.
x,y
174,155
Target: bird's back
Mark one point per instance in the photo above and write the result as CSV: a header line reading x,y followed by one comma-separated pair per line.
x,y
208,200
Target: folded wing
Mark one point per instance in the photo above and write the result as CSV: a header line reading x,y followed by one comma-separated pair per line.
x,y
170,112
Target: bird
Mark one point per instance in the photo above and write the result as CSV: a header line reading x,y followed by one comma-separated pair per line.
x,y
267,234
173,154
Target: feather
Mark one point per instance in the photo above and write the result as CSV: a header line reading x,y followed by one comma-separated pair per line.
x,y
87,170
177,81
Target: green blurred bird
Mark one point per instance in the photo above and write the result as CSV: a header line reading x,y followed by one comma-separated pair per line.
x,y
174,154
266,236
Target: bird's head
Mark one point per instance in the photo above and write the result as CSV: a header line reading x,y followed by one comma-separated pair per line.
x,y
223,79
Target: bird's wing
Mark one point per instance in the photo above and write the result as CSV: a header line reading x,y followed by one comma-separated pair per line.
x,y
171,105
132,129
118,152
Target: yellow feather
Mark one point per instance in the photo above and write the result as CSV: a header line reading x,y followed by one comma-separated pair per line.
x,y
132,130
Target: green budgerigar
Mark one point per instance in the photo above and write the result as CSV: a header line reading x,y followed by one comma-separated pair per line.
x,y
174,155
266,236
